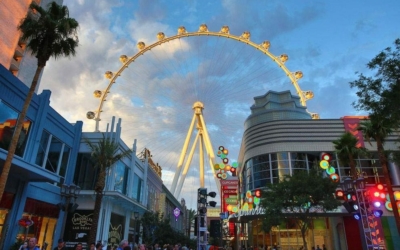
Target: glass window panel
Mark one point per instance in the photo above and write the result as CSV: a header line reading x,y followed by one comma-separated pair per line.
x,y
64,161
42,148
298,160
261,167
314,159
54,154
125,185
8,120
281,156
137,188
119,176
85,172
23,138
261,183
260,159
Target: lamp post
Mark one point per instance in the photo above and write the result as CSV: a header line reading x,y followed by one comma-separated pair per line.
x,y
70,194
136,216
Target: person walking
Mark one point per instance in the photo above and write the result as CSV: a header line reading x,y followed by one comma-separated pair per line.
x,y
60,245
123,244
32,244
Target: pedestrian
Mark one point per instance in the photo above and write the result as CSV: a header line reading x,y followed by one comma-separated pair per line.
x,y
32,244
99,246
123,244
324,247
23,246
127,248
92,246
60,245
78,246
318,248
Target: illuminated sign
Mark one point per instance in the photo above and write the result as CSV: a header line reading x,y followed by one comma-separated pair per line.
x,y
177,212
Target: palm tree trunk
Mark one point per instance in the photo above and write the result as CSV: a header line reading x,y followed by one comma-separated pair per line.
x,y
97,204
20,122
383,160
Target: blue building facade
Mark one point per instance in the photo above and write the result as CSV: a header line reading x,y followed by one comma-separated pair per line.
x,y
53,152
45,158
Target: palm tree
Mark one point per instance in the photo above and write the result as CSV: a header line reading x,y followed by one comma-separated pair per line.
x,y
378,130
347,150
105,153
50,33
192,216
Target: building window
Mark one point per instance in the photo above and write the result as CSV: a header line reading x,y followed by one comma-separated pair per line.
x,y
41,154
8,122
52,154
137,188
85,172
121,177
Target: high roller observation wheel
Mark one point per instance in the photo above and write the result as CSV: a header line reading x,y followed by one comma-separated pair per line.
x,y
203,31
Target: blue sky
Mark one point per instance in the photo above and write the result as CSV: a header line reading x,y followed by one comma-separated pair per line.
x,y
327,40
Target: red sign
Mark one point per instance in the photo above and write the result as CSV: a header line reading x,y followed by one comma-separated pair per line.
x,y
229,182
229,191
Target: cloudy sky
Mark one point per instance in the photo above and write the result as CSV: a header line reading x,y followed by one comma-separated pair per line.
x,y
329,41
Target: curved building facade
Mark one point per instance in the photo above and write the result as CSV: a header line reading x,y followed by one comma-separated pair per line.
x,y
280,138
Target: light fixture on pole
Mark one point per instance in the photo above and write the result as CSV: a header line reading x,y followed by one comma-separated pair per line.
x,y
70,194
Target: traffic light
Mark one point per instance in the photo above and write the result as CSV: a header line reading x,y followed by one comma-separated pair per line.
x,y
202,201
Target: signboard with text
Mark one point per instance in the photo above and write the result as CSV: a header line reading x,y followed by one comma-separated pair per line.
x,y
77,228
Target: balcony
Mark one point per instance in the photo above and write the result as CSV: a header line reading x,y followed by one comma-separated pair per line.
x,y
20,49
15,61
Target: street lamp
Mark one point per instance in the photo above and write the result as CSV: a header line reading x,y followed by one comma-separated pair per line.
x,y
70,193
136,216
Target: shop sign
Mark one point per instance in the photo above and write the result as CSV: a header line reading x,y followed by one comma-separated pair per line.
x,y
77,228
116,229
229,191
261,211
233,201
229,182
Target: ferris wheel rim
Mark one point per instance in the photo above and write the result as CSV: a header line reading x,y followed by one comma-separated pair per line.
x,y
203,31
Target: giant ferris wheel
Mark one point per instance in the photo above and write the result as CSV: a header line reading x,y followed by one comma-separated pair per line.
x,y
192,90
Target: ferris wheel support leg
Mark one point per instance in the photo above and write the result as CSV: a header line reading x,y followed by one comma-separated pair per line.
x,y
209,149
97,125
187,165
182,156
201,151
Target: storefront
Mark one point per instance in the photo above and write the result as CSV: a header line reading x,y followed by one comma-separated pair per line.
x,y
249,231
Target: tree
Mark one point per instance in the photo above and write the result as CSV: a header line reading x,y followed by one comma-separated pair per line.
x,y
158,230
302,196
379,96
104,154
50,33
192,216
378,131
347,150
